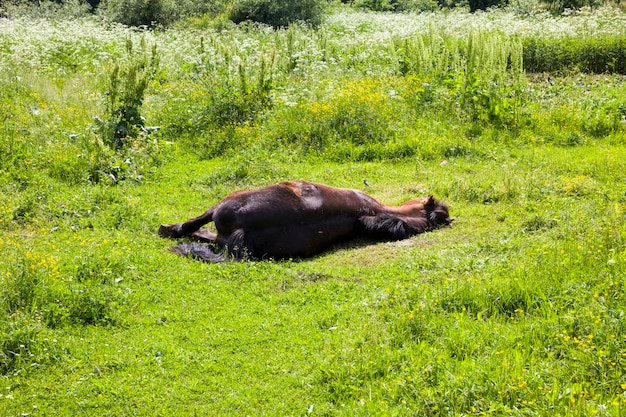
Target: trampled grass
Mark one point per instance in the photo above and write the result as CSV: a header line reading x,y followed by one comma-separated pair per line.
x,y
517,309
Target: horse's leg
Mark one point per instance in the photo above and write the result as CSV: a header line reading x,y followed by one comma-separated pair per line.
x,y
204,235
187,228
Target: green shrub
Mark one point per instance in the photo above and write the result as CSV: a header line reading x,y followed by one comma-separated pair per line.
x,y
559,6
416,5
23,284
140,12
56,10
432,54
397,5
21,343
13,149
278,13
595,55
86,304
36,286
125,90
451,4
151,13
234,104
491,103
375,5
122,145
358,114
221,101
485,4
475,81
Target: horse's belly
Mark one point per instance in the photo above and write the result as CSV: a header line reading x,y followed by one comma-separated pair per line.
x,y
301,240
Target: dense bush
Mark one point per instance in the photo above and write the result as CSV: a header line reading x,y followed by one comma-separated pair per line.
x,y
45,8
374,5
559,6
125,91
278,13
138,12
425,5
38,293
485,4
396,5
603,54
154,12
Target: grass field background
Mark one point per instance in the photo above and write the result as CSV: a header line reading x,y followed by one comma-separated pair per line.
x,y
517,309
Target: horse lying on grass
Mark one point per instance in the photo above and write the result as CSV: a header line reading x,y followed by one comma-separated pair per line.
x,y
299,219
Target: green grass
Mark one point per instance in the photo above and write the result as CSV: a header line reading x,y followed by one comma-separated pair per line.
x,y
517,309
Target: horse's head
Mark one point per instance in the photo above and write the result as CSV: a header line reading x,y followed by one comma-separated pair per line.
x,y
437,213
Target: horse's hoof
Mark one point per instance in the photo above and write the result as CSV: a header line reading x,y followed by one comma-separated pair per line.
x,y
169,230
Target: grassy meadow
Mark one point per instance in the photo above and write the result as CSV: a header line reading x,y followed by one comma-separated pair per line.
x,y
518,309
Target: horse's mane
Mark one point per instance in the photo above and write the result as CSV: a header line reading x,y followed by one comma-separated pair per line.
x,y
389,227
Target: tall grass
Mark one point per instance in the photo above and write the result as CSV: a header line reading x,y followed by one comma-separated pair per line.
x,y
39,293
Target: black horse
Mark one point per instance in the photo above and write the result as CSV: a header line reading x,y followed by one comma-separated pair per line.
x,y
298,219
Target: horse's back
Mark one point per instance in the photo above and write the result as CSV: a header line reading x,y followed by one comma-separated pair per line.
x,y
289,203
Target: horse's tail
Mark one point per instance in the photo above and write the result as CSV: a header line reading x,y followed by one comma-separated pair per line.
x,y
198,251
